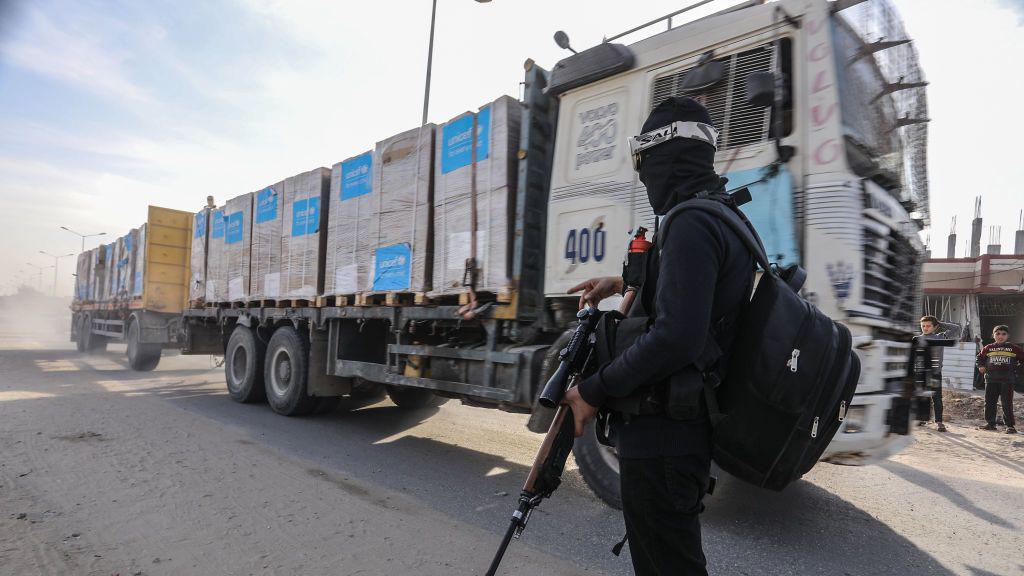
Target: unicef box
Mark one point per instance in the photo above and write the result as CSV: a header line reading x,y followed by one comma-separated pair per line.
x,y
381,218
268,213
303,234
229,251
492,192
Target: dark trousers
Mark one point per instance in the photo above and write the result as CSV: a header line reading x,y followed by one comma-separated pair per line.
x,y
937,403
1002,391
661,503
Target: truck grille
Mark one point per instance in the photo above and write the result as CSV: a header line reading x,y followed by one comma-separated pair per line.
x,y
892,276
738,123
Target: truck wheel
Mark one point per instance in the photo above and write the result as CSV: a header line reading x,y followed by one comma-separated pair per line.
x,y
142,356
91,341
410,398
243,366
80,328
599,466
286,371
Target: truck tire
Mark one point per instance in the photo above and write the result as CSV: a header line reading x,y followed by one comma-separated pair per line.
x,y
410,398
243,366
285,373
91,341
599,466
80,328
142,356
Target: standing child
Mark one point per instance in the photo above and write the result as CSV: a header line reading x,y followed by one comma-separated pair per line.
x,y
999,362
928,326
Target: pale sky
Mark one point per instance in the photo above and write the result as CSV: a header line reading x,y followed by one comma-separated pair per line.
x,y
106,107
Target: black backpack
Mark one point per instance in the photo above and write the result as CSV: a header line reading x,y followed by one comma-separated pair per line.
x,y
787,384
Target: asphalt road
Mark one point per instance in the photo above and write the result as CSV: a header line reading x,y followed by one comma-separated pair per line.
x,y
107,471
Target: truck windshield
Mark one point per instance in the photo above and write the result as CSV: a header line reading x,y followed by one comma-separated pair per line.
x,y
883,103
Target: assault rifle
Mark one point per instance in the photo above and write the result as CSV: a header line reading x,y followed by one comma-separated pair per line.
x,y
546,474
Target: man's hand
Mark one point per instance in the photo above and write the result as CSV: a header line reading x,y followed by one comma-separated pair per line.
x,y
597,289
581,411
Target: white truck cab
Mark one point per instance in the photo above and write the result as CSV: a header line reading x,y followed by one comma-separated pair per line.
x,y
841,192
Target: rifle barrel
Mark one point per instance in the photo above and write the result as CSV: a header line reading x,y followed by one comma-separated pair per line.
x,y
504,546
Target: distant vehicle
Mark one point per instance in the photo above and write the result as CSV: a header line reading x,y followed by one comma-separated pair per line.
x,y
821,109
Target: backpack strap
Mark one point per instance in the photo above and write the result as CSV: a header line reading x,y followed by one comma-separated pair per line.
x,y
719,205
723,207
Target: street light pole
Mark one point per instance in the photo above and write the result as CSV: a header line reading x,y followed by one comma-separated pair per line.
x,y
83,236
56,261
430,58
430,61
39,277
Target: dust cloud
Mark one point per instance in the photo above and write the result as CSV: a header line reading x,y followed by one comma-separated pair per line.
x,y
29,315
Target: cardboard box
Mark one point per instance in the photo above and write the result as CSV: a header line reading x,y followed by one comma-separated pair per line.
x,y
350,225
303,238
268,215
493,191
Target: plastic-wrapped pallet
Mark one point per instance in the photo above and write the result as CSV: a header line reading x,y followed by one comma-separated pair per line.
x,y
197,257
266,242
82,276
350,227
301,243
120,272
238,246
216,263
138,261
497,145
109,276
400,259
97,290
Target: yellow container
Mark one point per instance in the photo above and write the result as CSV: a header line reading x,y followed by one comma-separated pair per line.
x,y
168,245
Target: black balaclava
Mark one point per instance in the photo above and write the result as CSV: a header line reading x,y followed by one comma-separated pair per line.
x,y
681,167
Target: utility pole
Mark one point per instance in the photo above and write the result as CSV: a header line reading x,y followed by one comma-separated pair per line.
x,y
39,277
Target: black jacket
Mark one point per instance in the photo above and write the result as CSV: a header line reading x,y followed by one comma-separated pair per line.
x,y
704,273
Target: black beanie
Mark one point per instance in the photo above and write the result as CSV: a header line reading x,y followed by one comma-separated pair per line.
x,y
680,167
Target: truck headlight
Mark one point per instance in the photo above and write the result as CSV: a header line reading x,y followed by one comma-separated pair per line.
x,y
854,421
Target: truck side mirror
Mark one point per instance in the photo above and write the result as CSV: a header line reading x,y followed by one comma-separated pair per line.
x,y
760,89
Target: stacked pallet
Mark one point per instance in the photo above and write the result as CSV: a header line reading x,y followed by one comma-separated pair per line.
x,y
83,274
266,242
303,237
380,218
489,186
229,250
197,257
350,227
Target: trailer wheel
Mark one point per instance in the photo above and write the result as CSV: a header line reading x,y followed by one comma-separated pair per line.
x,y
285,373
243,366
91,341
599,466
142,356
80,328
410,398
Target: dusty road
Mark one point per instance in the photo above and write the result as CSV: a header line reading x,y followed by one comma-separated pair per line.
x,y
105,471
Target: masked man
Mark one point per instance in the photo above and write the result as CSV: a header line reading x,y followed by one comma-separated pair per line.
x,y
696,282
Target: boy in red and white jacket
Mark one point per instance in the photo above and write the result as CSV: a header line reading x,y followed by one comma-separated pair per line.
x,y
1000,362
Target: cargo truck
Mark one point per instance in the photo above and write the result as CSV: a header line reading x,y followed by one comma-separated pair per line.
x,y
134,290
833,154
